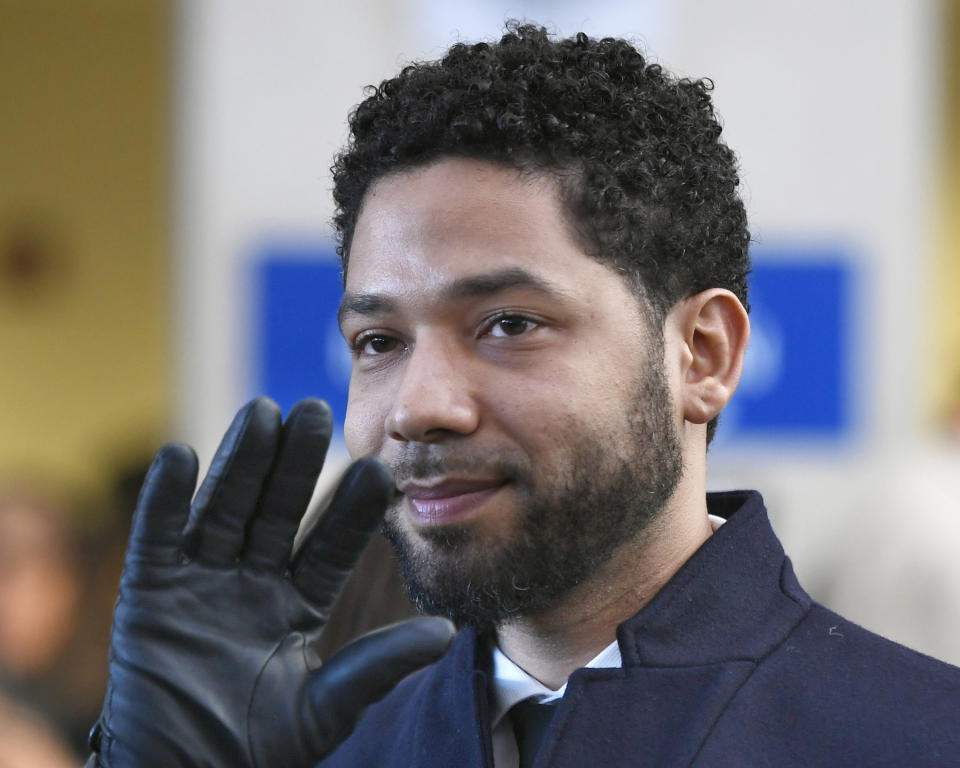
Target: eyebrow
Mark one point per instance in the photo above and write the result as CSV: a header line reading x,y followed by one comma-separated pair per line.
x,y
461,289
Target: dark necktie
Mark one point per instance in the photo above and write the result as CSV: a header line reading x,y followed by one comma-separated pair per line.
x,y
530,723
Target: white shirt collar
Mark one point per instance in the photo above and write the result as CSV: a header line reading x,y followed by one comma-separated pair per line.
x,y
512,685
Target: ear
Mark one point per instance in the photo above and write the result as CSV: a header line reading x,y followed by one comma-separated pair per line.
x,y
714,329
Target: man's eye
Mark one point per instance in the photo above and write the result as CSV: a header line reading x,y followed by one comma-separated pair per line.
x,y
511,325
376,345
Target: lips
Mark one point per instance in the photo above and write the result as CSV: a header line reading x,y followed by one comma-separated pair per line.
x,y
448,500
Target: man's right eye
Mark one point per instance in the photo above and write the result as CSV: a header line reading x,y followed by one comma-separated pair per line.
x,y
375,344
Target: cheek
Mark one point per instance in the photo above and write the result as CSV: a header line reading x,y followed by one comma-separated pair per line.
x,y
544,410
593,394
363,424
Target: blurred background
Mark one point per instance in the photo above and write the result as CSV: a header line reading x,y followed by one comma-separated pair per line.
x,y
165,253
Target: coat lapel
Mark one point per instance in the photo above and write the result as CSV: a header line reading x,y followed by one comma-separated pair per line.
x,y
686,654
640,716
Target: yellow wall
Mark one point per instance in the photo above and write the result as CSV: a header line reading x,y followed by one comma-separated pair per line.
x,y
84,263
945,334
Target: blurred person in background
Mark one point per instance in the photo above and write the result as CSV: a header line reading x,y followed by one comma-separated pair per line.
x,y
57,587
28,740
41,588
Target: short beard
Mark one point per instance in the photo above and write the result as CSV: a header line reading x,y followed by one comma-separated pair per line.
x,y
568,529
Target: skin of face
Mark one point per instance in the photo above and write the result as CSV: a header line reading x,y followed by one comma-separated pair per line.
x,y
481,329
494,360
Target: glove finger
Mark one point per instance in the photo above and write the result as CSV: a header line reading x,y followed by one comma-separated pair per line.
x,y
369,668
229,494
303,445
331,549
164,505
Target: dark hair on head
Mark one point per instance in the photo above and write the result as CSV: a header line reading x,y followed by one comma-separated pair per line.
x,y
648,186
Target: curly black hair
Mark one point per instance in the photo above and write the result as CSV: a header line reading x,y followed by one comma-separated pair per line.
x,y
646,182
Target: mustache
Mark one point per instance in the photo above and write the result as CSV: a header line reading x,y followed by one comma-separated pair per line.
x,y
433,462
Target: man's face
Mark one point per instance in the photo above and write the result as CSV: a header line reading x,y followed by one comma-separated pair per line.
x,y
512,383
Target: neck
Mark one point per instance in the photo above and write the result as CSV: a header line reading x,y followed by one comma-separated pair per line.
x,y
551,645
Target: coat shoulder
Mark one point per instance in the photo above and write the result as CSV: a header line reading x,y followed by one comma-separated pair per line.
x,y
834,693
851,658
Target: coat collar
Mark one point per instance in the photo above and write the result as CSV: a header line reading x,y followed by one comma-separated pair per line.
x,y
735,598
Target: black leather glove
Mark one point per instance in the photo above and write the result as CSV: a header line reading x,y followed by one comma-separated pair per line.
x,y
211,660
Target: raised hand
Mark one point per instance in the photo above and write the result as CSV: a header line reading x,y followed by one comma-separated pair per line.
x,y
211,658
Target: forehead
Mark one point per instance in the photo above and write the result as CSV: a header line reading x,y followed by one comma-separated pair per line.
x,y
458,218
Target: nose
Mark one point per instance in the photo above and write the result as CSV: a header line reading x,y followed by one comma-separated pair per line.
x,y
434,399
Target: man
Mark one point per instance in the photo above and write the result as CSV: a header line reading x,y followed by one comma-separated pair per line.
x,y
545,263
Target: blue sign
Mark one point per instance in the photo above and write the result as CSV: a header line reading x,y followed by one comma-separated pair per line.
x,y
298,350
797,377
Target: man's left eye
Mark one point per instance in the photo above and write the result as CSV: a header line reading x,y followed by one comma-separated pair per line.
x,y
511,326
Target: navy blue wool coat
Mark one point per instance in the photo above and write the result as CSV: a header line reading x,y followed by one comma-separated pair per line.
x,y
731,664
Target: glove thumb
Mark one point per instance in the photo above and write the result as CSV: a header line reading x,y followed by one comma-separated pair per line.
x,y
370,667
